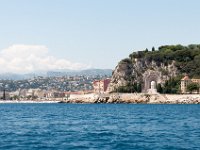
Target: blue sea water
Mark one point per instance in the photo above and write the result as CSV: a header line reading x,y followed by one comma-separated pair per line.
x,y
99,126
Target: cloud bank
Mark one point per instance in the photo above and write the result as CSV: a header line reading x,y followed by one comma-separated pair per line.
x,y
31,58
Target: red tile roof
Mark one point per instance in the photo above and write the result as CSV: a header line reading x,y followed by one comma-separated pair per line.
x,y
185,78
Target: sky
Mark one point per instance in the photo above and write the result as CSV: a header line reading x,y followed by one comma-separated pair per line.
x,y
81,34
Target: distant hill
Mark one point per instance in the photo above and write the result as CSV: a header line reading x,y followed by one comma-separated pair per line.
x,y
7,76
57,73
88,72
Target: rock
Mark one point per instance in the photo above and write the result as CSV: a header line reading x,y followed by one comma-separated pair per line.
x,y
141,71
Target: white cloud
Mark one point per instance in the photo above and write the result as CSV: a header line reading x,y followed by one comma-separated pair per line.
x,y
30,58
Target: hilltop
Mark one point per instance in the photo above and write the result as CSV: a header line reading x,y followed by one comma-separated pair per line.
x,y
165,65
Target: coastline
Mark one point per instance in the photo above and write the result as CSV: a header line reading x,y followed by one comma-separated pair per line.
x,y
134,98
25,101
139,98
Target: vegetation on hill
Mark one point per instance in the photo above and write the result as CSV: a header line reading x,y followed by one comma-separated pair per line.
x,y
187,58
172,86
130,88
193,87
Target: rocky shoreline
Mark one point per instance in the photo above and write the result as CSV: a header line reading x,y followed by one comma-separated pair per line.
x,y
138,99
120,99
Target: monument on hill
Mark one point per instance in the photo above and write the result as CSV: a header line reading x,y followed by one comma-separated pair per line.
x,y
151,79
153,89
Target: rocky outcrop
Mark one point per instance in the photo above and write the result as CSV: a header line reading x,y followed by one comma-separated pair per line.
x,y
141,71
121,75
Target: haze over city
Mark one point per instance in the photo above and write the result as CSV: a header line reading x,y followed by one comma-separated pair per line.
x,y
47,35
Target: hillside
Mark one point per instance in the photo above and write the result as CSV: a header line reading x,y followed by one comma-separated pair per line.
x,y
57,73
88,72
166,66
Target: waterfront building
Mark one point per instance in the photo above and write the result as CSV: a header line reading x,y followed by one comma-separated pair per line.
x,y
100,86
185,81
30,92
22,92
39,93
15,93
54,94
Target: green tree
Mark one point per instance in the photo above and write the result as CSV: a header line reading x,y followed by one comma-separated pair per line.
x,y
153,49
15,97
159,88
139,88
172,85
193,87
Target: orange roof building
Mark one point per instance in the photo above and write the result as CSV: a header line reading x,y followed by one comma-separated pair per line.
x,y
185,81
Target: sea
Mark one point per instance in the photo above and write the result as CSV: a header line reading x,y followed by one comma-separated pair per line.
x,y
99,126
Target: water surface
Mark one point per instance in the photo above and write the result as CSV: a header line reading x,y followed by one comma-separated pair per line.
x,y
99,126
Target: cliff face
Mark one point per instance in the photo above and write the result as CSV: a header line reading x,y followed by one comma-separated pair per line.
x,y
121,75
141,71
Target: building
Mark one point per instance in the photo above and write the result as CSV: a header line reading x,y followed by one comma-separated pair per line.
x,y
22,93
100,86
14,94
186,81
39,93
54,94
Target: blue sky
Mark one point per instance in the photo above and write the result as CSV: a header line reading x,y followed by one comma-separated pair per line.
x,y
94,33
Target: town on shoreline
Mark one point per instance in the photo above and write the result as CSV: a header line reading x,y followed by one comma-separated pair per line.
x,y
97,92
168,74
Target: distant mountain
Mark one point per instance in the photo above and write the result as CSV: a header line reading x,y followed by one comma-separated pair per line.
x,y
7,76
88,72
56,73
13,76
